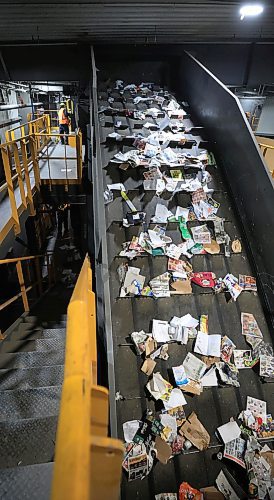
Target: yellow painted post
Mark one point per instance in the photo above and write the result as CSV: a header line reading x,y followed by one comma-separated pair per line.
x,y
27,177
35,162
7,136
38,275
20,175
105,468
88,464
22,285
7,169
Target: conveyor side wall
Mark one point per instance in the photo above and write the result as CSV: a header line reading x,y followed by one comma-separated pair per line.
x,y
219,111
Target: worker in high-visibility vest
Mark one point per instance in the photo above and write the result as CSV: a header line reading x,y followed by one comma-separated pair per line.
x,y
63,123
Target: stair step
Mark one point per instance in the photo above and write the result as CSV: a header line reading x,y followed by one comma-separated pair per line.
x,y
27,442
25,327
30,403
31,359
25,483
44,376
38,333
33,319
54,332
52,325
50,344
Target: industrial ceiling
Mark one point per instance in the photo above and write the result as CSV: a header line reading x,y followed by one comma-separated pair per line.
x,y
131,22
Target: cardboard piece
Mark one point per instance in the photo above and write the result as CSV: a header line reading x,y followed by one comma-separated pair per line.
x,y
181,286
192,387
211,493
193,430
269,457
163,450
161,353
148,366
150,345
210,360
212,248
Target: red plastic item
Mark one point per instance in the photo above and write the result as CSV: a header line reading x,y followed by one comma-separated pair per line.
x,y
186,492
206,280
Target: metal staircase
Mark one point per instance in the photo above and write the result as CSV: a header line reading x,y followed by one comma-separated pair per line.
x,y
31,375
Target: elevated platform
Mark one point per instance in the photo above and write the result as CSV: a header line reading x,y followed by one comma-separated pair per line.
x,y
57,162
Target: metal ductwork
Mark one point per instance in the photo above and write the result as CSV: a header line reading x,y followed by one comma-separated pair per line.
x,y
6,107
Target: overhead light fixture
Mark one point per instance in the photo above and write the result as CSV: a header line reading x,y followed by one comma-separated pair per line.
x,y
251,10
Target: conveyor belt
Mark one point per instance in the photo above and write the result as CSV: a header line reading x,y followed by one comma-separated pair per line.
x,y
215,405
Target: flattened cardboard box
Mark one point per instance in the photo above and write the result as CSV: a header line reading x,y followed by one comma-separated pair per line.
x,y
194,431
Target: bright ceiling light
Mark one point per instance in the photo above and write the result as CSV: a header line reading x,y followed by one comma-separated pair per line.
x,y
251,10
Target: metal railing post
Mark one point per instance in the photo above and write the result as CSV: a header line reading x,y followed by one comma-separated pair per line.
x,y
27,177
7,169
20,175
22,285
50,181
35,162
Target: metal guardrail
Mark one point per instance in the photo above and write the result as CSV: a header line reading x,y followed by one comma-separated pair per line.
x,y
87,462
30,277
39,125
21,157
264,149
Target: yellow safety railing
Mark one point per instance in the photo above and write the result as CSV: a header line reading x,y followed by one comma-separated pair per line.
x,y
39,125
74,140
52,116
19,160
29,272
87,462
22,158
264,149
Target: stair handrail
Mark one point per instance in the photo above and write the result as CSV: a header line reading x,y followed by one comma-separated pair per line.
x,y
87,462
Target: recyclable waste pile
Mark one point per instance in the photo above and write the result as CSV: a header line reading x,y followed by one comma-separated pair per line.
x,y
212,359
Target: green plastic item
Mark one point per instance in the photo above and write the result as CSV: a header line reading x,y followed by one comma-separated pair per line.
x,y
158,251
183,228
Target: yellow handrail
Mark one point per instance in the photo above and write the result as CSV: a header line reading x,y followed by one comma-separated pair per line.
x,y
20,157
267,146
87,462
34,281
40,124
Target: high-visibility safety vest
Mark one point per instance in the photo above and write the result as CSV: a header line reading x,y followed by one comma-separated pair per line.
x,y
63,120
